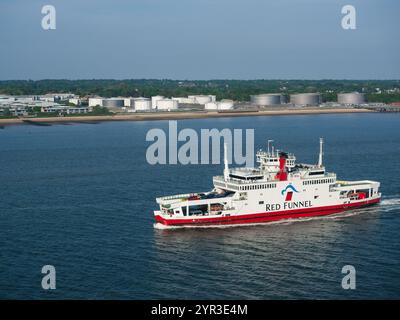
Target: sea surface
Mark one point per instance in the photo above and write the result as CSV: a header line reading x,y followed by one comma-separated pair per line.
x,y
81,197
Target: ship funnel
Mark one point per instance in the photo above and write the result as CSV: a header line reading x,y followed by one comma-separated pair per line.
x,y
226,169
321,143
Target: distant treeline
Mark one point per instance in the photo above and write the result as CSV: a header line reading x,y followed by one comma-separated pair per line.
x,y
223,89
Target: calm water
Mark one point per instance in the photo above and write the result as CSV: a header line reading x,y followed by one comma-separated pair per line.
x,y
80,197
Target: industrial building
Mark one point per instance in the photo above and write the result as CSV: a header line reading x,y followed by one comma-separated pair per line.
x,y
22,105
13,110
353,98
75,101
65,109
305,99
267,99
56,97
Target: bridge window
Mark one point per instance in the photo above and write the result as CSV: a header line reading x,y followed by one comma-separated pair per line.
x,y
316,173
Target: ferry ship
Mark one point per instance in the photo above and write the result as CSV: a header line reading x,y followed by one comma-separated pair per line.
x,y
278,189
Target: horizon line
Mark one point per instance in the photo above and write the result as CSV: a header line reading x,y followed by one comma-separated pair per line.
x,y
203,80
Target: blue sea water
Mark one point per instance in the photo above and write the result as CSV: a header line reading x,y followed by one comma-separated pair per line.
x,y
81,196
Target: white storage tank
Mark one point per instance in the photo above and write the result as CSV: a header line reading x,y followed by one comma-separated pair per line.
x,y
141,104
203,99
211,106
225,104
154,101
128,102
305,99
353,98
167,104
93,102
185,100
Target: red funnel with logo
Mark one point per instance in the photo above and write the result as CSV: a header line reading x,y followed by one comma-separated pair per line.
x,y
282,174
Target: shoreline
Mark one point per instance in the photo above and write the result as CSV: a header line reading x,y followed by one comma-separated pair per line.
x,y
180,115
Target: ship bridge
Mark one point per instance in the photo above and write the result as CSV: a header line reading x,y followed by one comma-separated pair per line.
x,y
245,174
240,185
274,166
269,161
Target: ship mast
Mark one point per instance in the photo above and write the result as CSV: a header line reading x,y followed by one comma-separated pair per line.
x,y
321,143
226,170
268,144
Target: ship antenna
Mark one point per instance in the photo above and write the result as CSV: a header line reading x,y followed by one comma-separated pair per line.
x,y
226,170
321,143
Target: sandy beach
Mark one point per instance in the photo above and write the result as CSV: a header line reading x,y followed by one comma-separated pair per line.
x,y
182,115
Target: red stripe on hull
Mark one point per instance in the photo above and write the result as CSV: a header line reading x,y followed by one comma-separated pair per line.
x,y
268,216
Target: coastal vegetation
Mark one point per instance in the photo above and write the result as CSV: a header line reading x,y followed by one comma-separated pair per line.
x,y
376,90
100,111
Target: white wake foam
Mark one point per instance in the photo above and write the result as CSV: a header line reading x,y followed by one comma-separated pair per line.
x,y
391,202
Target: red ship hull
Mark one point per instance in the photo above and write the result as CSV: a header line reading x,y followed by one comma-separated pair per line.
x,y
266,216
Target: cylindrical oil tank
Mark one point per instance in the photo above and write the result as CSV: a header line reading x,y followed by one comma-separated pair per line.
x,y
185,100
225,104
93,102
353,98
305,99
128,102
154,101
211,106
202,99
167,104
113,103
141,104
267,99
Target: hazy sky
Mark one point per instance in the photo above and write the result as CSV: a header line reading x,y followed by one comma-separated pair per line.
x,y
200,39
